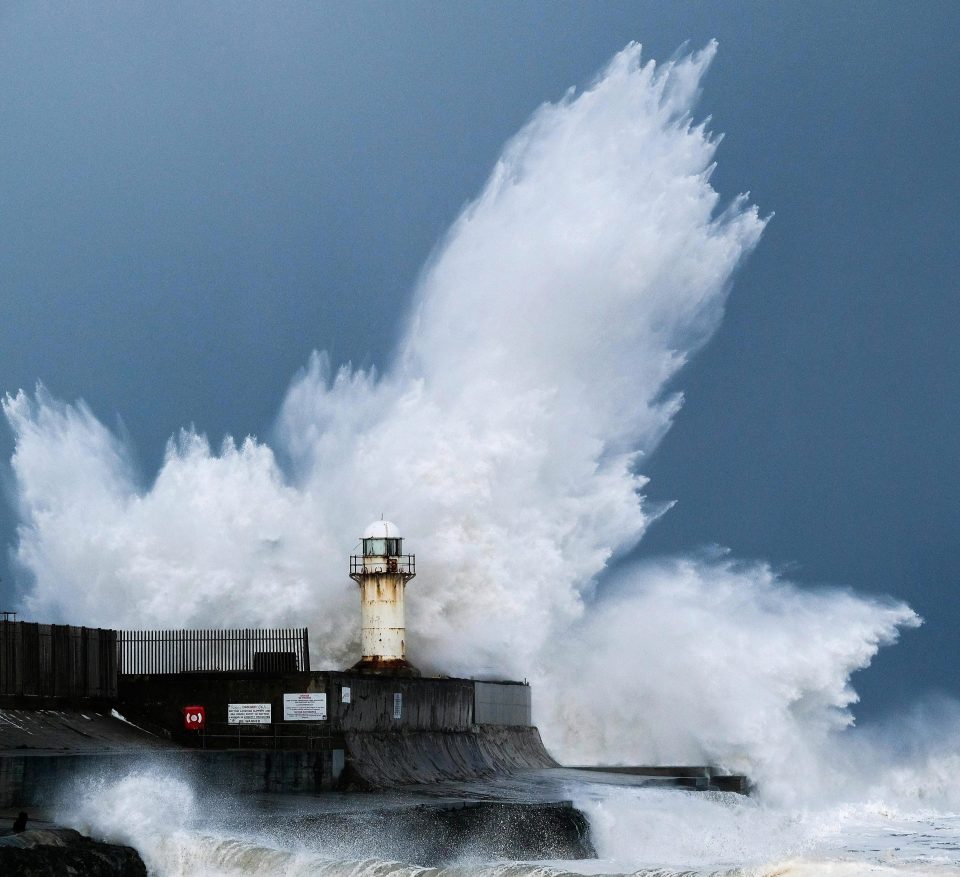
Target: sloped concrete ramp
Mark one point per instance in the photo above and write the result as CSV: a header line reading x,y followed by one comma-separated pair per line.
x,y
402,758
62,730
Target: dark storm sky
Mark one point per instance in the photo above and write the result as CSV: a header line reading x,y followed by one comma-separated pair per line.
x,y
195,196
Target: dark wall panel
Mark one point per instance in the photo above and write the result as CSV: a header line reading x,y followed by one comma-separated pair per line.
x,y
502,703
424,704
57,660
158,700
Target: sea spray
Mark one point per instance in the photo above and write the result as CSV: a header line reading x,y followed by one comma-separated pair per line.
x,y
749,673
507,437
503,439
150,809
636,830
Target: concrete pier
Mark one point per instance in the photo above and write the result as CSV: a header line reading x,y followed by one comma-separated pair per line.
x,y
265,728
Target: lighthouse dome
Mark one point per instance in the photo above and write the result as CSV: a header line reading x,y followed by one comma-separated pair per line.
x,y
382,539
382,530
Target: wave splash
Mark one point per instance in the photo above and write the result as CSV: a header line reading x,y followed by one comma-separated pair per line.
x,y
507,436
636,831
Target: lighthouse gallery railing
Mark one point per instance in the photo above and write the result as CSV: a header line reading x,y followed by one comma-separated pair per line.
x,y
400,563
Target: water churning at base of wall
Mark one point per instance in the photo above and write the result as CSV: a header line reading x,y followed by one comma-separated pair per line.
x,y
507,437
666,833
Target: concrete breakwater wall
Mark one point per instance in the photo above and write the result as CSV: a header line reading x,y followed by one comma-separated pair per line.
x,y
375,732
444,833
388,730
384,759
369,760
50,780
432,834
354,702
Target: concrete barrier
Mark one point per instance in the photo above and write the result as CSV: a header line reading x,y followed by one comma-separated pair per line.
x,y
34,780
385,759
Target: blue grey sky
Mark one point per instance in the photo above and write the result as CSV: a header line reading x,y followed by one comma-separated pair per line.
x,y
195,196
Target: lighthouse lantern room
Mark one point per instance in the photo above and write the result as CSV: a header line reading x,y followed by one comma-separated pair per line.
x,y
382,571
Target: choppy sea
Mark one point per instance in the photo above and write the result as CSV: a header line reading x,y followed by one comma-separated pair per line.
x,y
635,830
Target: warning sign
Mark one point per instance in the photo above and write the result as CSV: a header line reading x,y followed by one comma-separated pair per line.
x,y
304,707
248,713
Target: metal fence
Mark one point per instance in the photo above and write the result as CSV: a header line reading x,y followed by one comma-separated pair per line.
x,y
196,651
57,660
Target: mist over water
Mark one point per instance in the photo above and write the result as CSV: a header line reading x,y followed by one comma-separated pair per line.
x,y
507,438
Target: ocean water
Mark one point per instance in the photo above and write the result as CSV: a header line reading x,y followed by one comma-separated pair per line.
x,y
635,830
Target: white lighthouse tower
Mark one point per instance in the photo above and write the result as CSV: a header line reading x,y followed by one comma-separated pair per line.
x,y
382,570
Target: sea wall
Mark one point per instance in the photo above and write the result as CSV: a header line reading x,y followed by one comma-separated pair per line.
x,y
355,702
44,780
449,833
383,730
381,759
368,759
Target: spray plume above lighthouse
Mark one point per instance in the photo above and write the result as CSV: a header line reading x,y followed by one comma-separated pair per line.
x,y
382,570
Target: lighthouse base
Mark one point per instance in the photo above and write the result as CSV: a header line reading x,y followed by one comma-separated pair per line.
x,y
385,666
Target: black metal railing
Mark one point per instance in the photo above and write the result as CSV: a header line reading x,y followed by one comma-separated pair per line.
x,y
277,735
405,564
269,650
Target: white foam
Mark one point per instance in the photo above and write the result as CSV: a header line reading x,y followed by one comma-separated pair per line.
x,y
635,830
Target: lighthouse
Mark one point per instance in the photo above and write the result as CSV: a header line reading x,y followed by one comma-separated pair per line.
x,y
382,570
